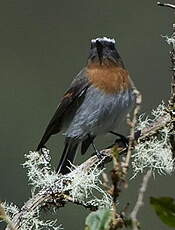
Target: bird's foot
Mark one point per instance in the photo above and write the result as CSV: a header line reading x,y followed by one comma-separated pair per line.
x,y
99,155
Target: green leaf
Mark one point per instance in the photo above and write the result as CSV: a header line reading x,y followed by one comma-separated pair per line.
x,y
99,220
165,209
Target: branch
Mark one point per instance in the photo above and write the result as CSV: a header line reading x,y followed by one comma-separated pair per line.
x,y
166,5
45,196
139,202
172,97
133,124
171,103
167,121
172,56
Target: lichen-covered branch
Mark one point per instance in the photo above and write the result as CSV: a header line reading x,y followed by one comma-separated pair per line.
x,y
59,195
61,190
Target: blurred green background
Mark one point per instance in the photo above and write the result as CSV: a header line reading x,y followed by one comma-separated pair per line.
x,y
43,44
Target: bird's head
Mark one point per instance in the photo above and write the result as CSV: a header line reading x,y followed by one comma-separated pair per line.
x,y
102,50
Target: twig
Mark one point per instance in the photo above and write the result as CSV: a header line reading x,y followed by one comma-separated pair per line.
x,y
172,97
139,202
166,5
120,168
171,102
132,130
171,41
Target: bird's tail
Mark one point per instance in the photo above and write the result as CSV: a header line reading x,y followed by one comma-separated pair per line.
x,y
67,157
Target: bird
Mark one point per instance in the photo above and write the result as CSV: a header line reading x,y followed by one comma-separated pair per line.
x,y
98,99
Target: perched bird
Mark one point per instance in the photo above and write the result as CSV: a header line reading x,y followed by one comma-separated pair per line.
x,y
98,99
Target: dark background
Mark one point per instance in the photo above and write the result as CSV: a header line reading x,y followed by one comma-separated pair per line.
x,y
43,44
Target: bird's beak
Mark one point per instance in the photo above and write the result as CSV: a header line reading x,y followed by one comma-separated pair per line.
x,y
99,51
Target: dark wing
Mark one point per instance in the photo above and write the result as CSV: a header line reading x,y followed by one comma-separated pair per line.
x,y
66,109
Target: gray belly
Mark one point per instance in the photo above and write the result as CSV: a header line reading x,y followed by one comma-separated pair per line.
x,y
100,113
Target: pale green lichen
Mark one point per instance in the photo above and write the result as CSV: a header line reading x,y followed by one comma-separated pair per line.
x,y
83,185
155,153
